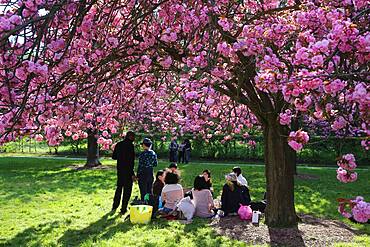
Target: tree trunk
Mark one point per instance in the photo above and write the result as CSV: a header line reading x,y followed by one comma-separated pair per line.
x,y
291,153
280,211
92,150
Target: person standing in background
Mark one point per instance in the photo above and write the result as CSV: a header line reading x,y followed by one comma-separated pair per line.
x,y
124,153
182,152
174,148
187,150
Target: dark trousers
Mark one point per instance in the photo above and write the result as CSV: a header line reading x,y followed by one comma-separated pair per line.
x,y
124,182
173,156
181,157
187,156
145,182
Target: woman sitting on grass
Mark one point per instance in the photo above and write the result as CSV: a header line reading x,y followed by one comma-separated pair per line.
x,y
172,192
232,195
202,198
207,176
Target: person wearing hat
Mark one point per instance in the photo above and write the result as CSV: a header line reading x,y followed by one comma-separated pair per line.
x,y
232,195
124,153
147,160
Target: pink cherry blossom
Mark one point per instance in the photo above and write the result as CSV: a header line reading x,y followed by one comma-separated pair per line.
x,y
347,162
295,145
297,139
286,117
39,138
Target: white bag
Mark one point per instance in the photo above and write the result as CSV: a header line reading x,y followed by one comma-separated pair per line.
x,y
186,206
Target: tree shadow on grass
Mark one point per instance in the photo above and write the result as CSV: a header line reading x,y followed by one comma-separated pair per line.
x,y
75,237
31,236
202,234
108,227
286,237
31,183
104,228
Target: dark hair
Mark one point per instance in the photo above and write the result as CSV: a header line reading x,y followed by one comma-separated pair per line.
x,y
130,134
208,172
147,142
200,183
173,165
171,178
237,170
159,173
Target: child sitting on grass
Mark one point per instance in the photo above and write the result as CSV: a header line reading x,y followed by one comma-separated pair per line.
x,y
157,188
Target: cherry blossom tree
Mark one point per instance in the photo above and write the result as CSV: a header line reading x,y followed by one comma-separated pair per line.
x,y
281,59
80,67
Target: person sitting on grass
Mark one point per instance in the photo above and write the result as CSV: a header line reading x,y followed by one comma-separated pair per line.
x,y
232,195
202,197
174,169
243,182
147,160
238,171
157,188
207,176
172,192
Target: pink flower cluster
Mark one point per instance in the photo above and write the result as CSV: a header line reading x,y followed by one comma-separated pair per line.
x,y
346,176
286,117
345,172
347,162
360,209
252,143
297,139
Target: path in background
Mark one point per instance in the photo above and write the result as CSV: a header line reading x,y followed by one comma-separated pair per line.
x,y
196,162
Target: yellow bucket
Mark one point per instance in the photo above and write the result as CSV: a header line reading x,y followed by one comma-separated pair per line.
x,y
140,214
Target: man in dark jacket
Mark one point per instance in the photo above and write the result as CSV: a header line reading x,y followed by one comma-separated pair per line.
x,y
124,153
174,147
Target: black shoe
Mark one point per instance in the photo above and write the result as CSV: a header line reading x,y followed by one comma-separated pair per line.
x,y
123,212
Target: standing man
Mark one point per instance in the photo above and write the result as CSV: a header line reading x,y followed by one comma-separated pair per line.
x,y
124,153
174,147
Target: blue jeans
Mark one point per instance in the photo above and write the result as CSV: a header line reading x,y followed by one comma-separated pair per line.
x,y
145,182
166,210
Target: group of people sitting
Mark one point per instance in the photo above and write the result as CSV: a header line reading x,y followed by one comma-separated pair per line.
x,y
166,194
170,197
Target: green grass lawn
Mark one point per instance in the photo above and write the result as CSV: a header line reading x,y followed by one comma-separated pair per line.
x,y
44,203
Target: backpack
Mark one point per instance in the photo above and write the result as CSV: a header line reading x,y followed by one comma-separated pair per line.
x,y
186,207
245,212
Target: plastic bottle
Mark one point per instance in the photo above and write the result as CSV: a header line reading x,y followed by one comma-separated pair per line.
x,y
256,218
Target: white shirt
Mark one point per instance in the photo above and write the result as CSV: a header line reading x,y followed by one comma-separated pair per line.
x,y
242,180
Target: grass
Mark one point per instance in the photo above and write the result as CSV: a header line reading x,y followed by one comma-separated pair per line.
x,y
44,203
